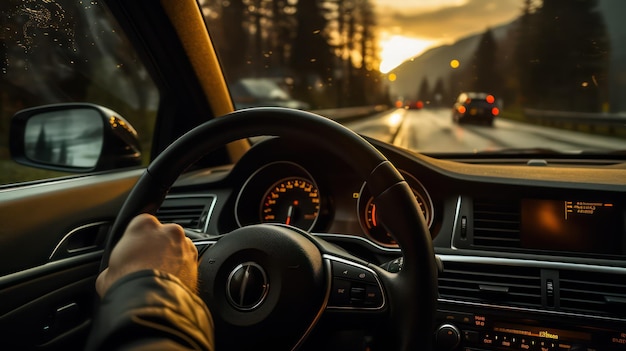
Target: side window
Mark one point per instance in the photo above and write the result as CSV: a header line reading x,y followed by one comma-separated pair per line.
x,y
53,51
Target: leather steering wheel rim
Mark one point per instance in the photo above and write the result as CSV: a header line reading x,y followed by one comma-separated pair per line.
x,y
411,294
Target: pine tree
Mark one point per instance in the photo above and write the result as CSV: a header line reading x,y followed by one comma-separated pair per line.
x,y
424,94
440,96
569,67
311,54
486,77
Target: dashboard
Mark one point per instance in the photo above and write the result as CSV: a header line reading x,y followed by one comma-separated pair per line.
x,y
532,258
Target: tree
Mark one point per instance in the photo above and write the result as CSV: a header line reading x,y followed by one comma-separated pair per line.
x,y
568,68
424,92
320,48
524,32
440,95
311,52
368,70
233,51
486,77
43,147
281,38
369,58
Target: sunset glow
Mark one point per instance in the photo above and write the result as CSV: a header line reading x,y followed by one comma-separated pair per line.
x,y
397,49
410,29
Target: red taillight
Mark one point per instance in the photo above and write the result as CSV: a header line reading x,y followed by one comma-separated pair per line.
x,y
490,99
495,111
419,104
461,109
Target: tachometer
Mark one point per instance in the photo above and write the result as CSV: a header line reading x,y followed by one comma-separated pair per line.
x,y
293,201
374,229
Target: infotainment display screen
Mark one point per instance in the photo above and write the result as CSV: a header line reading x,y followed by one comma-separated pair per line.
x,y
594,227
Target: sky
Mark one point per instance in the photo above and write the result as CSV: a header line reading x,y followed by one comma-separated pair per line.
x,y
410,27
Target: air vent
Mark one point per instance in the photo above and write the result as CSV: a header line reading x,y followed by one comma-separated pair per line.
x,y
190,212
503,285
593,292
496,224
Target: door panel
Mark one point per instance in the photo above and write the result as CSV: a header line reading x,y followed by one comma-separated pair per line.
x,y
49,260
55,209
50,310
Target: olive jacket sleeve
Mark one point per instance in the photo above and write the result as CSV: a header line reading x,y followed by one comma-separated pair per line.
x,y
151,310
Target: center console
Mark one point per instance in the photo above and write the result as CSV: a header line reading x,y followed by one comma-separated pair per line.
x,y
460,329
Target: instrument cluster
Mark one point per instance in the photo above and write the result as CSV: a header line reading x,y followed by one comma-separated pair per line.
x,y
287,193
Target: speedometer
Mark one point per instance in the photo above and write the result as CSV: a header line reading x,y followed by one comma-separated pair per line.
x,y
293,201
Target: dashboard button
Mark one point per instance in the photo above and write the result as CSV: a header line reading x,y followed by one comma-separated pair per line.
x,y
487,339
457,317
471,336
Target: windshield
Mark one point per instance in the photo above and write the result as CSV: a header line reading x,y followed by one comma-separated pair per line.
x,y
436,76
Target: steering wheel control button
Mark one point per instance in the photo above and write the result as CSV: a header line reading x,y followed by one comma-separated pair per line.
x,y
247,286
340,295
346,271
357,293
354,287
373,296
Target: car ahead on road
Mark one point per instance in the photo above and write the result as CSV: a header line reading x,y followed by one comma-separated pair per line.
x,y
414,104
475,107
515,239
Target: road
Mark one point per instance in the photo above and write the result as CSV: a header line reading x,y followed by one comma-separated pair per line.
x,y
432,130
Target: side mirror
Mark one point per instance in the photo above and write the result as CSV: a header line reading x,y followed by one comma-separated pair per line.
x,y
73,137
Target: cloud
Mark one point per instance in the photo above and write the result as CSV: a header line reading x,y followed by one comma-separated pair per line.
x,y
449,23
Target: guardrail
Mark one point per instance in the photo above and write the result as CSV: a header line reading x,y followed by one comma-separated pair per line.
x,y
612,122
350,113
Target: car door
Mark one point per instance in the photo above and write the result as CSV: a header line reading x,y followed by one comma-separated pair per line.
x,y
54,222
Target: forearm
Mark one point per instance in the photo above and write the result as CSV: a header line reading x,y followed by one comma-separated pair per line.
x,y
151,310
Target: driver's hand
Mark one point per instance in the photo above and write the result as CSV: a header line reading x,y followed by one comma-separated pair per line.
x,y
148,244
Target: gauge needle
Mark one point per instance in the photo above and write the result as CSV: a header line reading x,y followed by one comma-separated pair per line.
x,y
374,216
289,213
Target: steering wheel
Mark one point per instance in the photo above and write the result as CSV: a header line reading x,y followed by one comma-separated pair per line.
x,y
267,286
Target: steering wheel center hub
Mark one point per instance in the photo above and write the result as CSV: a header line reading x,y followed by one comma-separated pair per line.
x,y
261,276
247,286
